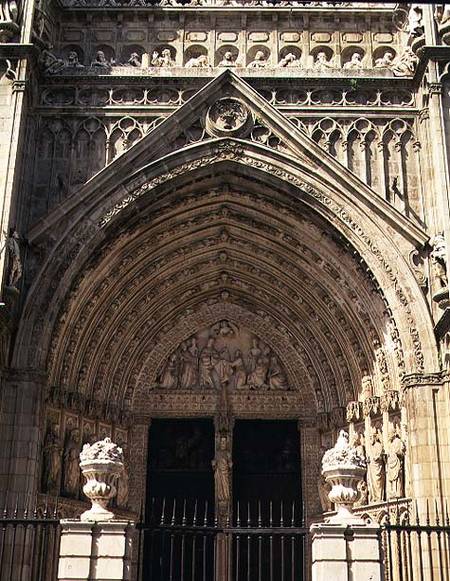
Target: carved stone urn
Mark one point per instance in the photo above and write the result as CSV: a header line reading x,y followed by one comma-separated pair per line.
x,y
101,464
343,468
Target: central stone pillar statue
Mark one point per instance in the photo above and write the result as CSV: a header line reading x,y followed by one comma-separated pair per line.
x,y
345,547
97,547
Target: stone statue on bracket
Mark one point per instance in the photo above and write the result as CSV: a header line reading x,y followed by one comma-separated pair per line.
x,y
51,468
123,481
386,61
405,64
14,259
438,256
259,62
376,475
322,63
355,63
228,60
395,465
71,477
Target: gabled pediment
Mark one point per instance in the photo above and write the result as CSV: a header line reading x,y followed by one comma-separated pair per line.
x,y
230,107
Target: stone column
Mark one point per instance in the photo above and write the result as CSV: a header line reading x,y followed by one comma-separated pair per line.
x,y
427,402
97,547
20,433
345,548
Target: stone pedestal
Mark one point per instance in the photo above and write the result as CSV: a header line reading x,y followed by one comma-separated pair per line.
x,y
95,551
342,552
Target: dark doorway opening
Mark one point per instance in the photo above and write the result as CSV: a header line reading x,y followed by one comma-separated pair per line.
x,y
266,457
267,501
180,499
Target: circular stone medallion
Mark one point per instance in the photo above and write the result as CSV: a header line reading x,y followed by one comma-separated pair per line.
x,y
227,117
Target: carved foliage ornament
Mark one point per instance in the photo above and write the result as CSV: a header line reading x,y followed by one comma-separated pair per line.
x,y
228,117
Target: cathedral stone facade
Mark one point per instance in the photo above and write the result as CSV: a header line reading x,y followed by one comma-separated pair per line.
x,y
218,212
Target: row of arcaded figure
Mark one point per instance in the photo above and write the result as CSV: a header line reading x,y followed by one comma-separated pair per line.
x,y
61,475
385,478
401,66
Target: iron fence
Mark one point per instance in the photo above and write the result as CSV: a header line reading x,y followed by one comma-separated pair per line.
x,y
416,544
29,544
182,541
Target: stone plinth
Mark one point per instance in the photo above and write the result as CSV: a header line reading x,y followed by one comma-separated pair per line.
x,y
342,552
95,551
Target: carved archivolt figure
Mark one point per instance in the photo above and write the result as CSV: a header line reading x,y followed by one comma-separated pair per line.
x,y
322,63
198,62
395,466
438,257
228,60
375,469
354,63
51,469
290,60
386,61
259,62
72,464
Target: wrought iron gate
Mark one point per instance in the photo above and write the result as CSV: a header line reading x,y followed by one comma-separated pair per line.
x,y
417,549
181,541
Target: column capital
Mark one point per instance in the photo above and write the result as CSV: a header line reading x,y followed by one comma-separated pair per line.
x,y
425,379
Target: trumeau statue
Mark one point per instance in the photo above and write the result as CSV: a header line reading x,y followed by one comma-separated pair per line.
x,y
222,465
376,469
223,355
51,469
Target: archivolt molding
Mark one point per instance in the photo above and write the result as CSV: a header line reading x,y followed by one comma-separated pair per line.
x,y
124,329
75,249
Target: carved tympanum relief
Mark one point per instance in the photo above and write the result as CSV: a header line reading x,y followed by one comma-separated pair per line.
x,y
223,354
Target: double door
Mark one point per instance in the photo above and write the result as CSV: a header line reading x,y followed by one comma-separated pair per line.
x,y
262,539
